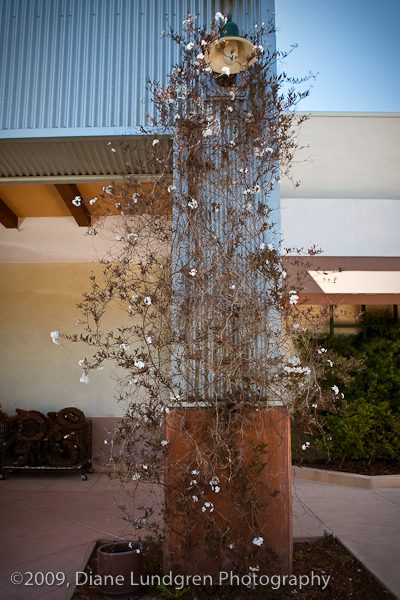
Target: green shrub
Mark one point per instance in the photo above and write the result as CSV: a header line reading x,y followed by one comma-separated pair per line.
x,y
367,423
364,431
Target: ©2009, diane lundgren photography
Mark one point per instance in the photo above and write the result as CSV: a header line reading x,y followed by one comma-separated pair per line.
x,y
252,579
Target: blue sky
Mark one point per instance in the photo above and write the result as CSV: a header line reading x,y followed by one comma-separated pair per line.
x,y
353,44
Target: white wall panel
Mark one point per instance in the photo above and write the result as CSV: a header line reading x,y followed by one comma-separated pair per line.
x,y
342,227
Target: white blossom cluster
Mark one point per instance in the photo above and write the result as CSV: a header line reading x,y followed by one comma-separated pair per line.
x,y
258,541
54,336
259,152
214,484
295,367
252,190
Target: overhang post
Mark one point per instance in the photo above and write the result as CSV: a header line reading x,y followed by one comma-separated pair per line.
x,y
81,214
7,217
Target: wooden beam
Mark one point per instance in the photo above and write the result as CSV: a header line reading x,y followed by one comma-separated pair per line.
x,y
68,193
7,217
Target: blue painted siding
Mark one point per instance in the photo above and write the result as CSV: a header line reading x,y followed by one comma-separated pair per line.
x,y
68,65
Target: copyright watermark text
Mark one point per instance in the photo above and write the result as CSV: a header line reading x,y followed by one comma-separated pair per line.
x,y
28,578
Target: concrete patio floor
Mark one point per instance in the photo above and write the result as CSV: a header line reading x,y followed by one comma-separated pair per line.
x,y
49,524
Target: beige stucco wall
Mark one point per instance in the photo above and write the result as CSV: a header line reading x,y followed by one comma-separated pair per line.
x,y
351,155
36,299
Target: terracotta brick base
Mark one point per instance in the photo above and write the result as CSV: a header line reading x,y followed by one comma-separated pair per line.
x,y
190,546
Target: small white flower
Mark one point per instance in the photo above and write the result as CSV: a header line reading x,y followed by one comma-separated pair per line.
x,y
330,363
139,364
208,70
132,236
155,142
84,378
171,188
322,350
190,46
226,70
262,246
147,300
77,201
305,446
164,442
194,472
258,541
293,298
219,16
284,274
203,43
231,546
54,336
82,362
208,505
193,482
230,108
195,499
149,340
270,247
207,132
113,150
93,200
136,476
200,56
193,204
232,287
335,390
193,272
294,360
124,346
145,467
135,197
134,297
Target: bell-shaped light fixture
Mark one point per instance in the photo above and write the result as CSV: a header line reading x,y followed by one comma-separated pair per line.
x,y
230,54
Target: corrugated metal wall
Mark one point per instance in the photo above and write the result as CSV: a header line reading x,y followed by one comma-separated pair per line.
x,y
84,63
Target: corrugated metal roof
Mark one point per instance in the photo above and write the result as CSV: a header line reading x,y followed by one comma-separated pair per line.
x,y
84,63
83,158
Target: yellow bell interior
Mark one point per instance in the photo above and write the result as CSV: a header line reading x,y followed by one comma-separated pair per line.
x,y
233,52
